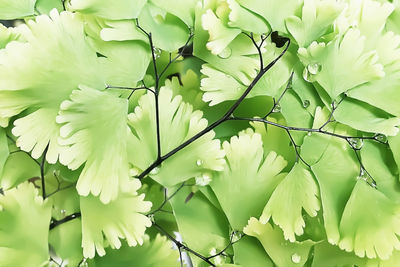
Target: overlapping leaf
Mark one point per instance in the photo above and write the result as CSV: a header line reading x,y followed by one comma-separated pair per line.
x,y
178,123
121,218
53,61
24,227
94,131
247,165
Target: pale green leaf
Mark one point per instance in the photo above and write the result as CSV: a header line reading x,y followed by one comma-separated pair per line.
x,y
24,227
121,218
296,192
178,123
281,251
94,131
247,165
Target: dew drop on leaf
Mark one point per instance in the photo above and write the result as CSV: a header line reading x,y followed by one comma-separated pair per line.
x,y
157,52
296,258
63,212
356,143
277,108
314,68
310,71
306,103
155,171
309,133
204,179
236,236
199,162
133,172
226,53
381,138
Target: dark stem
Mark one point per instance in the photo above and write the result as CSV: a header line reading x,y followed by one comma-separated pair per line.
x,y
42,166
182,246
219,121
54,223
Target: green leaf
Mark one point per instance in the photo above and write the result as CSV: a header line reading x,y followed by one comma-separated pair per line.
x,y
275,12
23,244
116,10
247,165
341,64
53,61
153,253
13,174
362,116
250,253
45,6
296,192
246,20
335,170
202,226
94,131
168,31
179,121
121,218
183,9
276,139
328,255
383,93
371,231
7,35
317,17
15,9
281,251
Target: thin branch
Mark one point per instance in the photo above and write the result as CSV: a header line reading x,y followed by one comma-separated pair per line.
x,y
133,89
54,223
276,103
166,199
181,245
180,53
224,118
296,149
42,166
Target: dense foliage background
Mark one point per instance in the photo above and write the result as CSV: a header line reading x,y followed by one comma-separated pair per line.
x,y
207,133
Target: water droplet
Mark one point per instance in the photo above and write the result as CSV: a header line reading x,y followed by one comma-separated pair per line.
x,y
296,258
277,108
133,172
199,162
310,71
155,171
151,217
381,138
306,103
213,251
356,143
157,52
309,133
227,52
191,30
239,89
236,236
63,212
204,179
314,68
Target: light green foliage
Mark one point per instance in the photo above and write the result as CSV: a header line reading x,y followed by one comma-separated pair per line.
x,y
24,243
235,186
112,116
121,218
15,9
296,192
180,121
153,253
94,143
